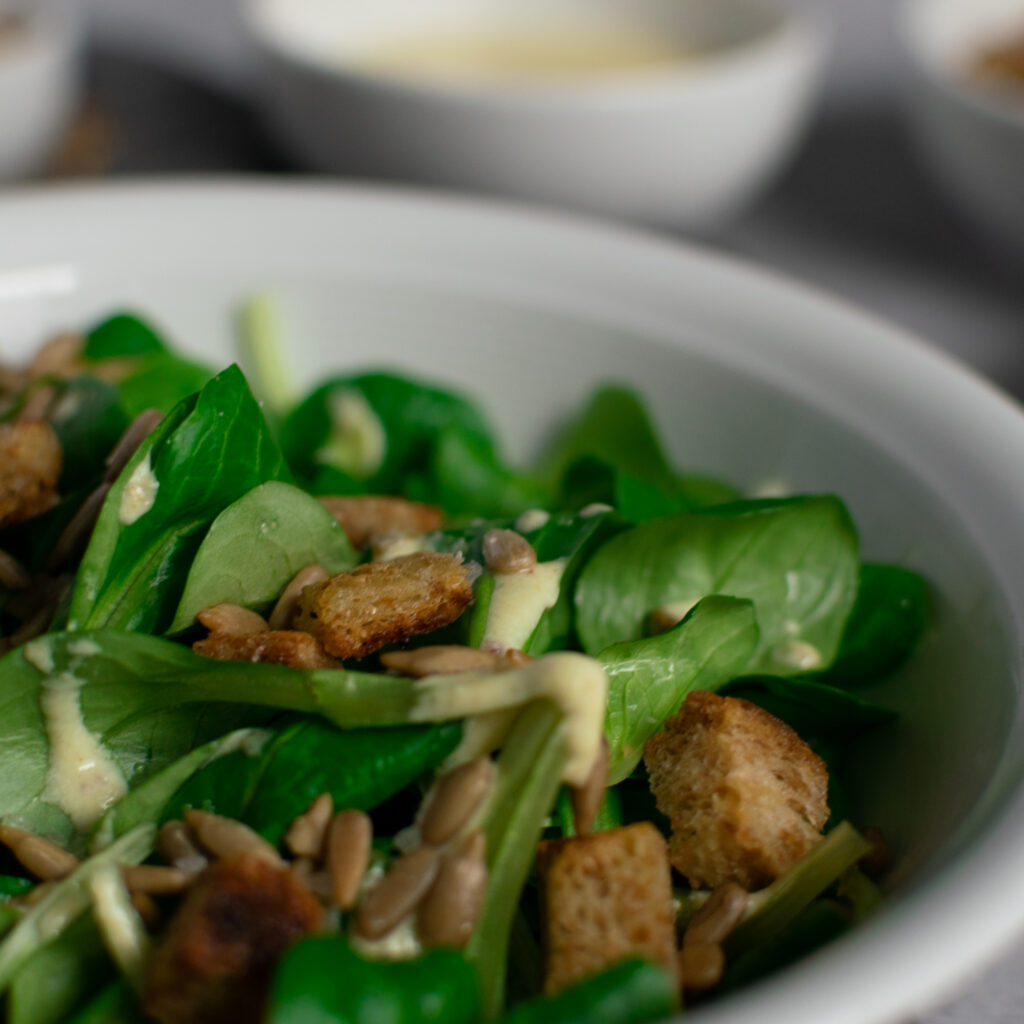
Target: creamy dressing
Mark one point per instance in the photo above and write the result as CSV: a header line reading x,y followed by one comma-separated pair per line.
x,y
797,654
510,53
38,654
575,683
357,442
83,780
518,602
119,923
397,545
139,494
532,519
83,648
596,508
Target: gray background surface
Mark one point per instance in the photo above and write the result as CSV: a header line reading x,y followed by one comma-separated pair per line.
x,y
855,213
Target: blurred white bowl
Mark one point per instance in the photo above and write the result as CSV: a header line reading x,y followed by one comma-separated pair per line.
x,y
970,133
683,142
39,81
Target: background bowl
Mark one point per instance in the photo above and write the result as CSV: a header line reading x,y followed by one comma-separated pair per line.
x,y
970,134
685,144
39,83
749,377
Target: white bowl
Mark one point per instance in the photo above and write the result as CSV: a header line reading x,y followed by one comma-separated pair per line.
x,y
39,83
971,135
685,144
751,377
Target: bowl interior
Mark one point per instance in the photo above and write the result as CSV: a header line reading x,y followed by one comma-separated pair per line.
x,y
327,31
528,315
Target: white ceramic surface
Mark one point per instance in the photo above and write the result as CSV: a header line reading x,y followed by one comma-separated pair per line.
x,y
39,83
750,377
685,146
971,134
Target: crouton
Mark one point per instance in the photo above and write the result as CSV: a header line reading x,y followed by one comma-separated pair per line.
x,y
30,465
605,898
359,611
277,647
368,516
745,795
216,960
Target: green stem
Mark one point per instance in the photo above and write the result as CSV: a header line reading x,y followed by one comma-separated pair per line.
x,y
530,770
262,354
772,909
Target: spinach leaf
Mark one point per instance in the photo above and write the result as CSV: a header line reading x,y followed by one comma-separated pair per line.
x,y
888,620
151,702
634,992
372,430
145,803
115,1004
120,336
648,680
615,429
811,708
88,419
269,787
255,547
57,978
149,375
466,478
796,559
208,452
323,980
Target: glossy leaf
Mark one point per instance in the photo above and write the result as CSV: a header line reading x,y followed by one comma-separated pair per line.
x,y
256,546
649,679
795,559
323,981
89,420
888,620
205,455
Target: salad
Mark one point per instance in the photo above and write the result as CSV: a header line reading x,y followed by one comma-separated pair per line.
x,y
315,709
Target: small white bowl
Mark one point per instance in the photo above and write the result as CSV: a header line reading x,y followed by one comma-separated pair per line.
x,y
39,84
971,134
684,143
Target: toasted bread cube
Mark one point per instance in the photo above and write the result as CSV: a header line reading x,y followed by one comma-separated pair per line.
x,y
371,515
362,610
30,463
605,897
277,647
216,960
745,795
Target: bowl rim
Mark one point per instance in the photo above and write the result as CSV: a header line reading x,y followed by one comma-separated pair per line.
x,y
799,36
906,954
991,104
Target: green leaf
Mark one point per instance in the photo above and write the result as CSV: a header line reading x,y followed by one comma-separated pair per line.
x,y
256,546
89,421
333,428
161,381
269,787
888,620
206,454
60,976
119,336
465,477
811,708
796,559
323,981
614,428
116,1004
648,680
634,992
144,804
